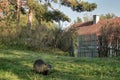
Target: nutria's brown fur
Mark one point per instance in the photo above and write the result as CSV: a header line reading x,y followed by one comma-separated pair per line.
x,y
41,67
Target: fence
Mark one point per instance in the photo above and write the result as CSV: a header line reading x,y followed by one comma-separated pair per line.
x,y
114,50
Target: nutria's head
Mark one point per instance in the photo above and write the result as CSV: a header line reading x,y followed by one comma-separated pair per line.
x,y
49,67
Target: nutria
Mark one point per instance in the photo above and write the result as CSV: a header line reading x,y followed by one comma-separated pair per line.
x,y
41,67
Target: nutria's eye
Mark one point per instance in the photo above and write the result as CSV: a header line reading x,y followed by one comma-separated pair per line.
x,y
45,64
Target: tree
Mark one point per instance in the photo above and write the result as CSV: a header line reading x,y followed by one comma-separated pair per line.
x,y
77,5
39,9
79,19
36,35
110,40
87,18
4,9
107,16
18,10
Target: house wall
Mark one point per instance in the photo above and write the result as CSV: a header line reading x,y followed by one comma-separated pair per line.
x,y
93,46
87,46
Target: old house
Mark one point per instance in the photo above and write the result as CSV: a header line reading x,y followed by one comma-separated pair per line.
x,y
89,40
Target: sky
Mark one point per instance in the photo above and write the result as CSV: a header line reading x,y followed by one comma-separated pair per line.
x,y
103,7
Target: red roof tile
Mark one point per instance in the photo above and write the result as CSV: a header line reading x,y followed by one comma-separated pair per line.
x,y
90,28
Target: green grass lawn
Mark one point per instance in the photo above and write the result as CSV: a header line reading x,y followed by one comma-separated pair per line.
x,y
17,65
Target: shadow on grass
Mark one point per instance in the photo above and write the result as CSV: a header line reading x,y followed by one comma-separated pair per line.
x,y
3,79
60,75
22,71
21,66
15,67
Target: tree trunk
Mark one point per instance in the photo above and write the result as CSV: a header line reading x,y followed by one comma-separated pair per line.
x,y
18,18
29,22
30,16
18,10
